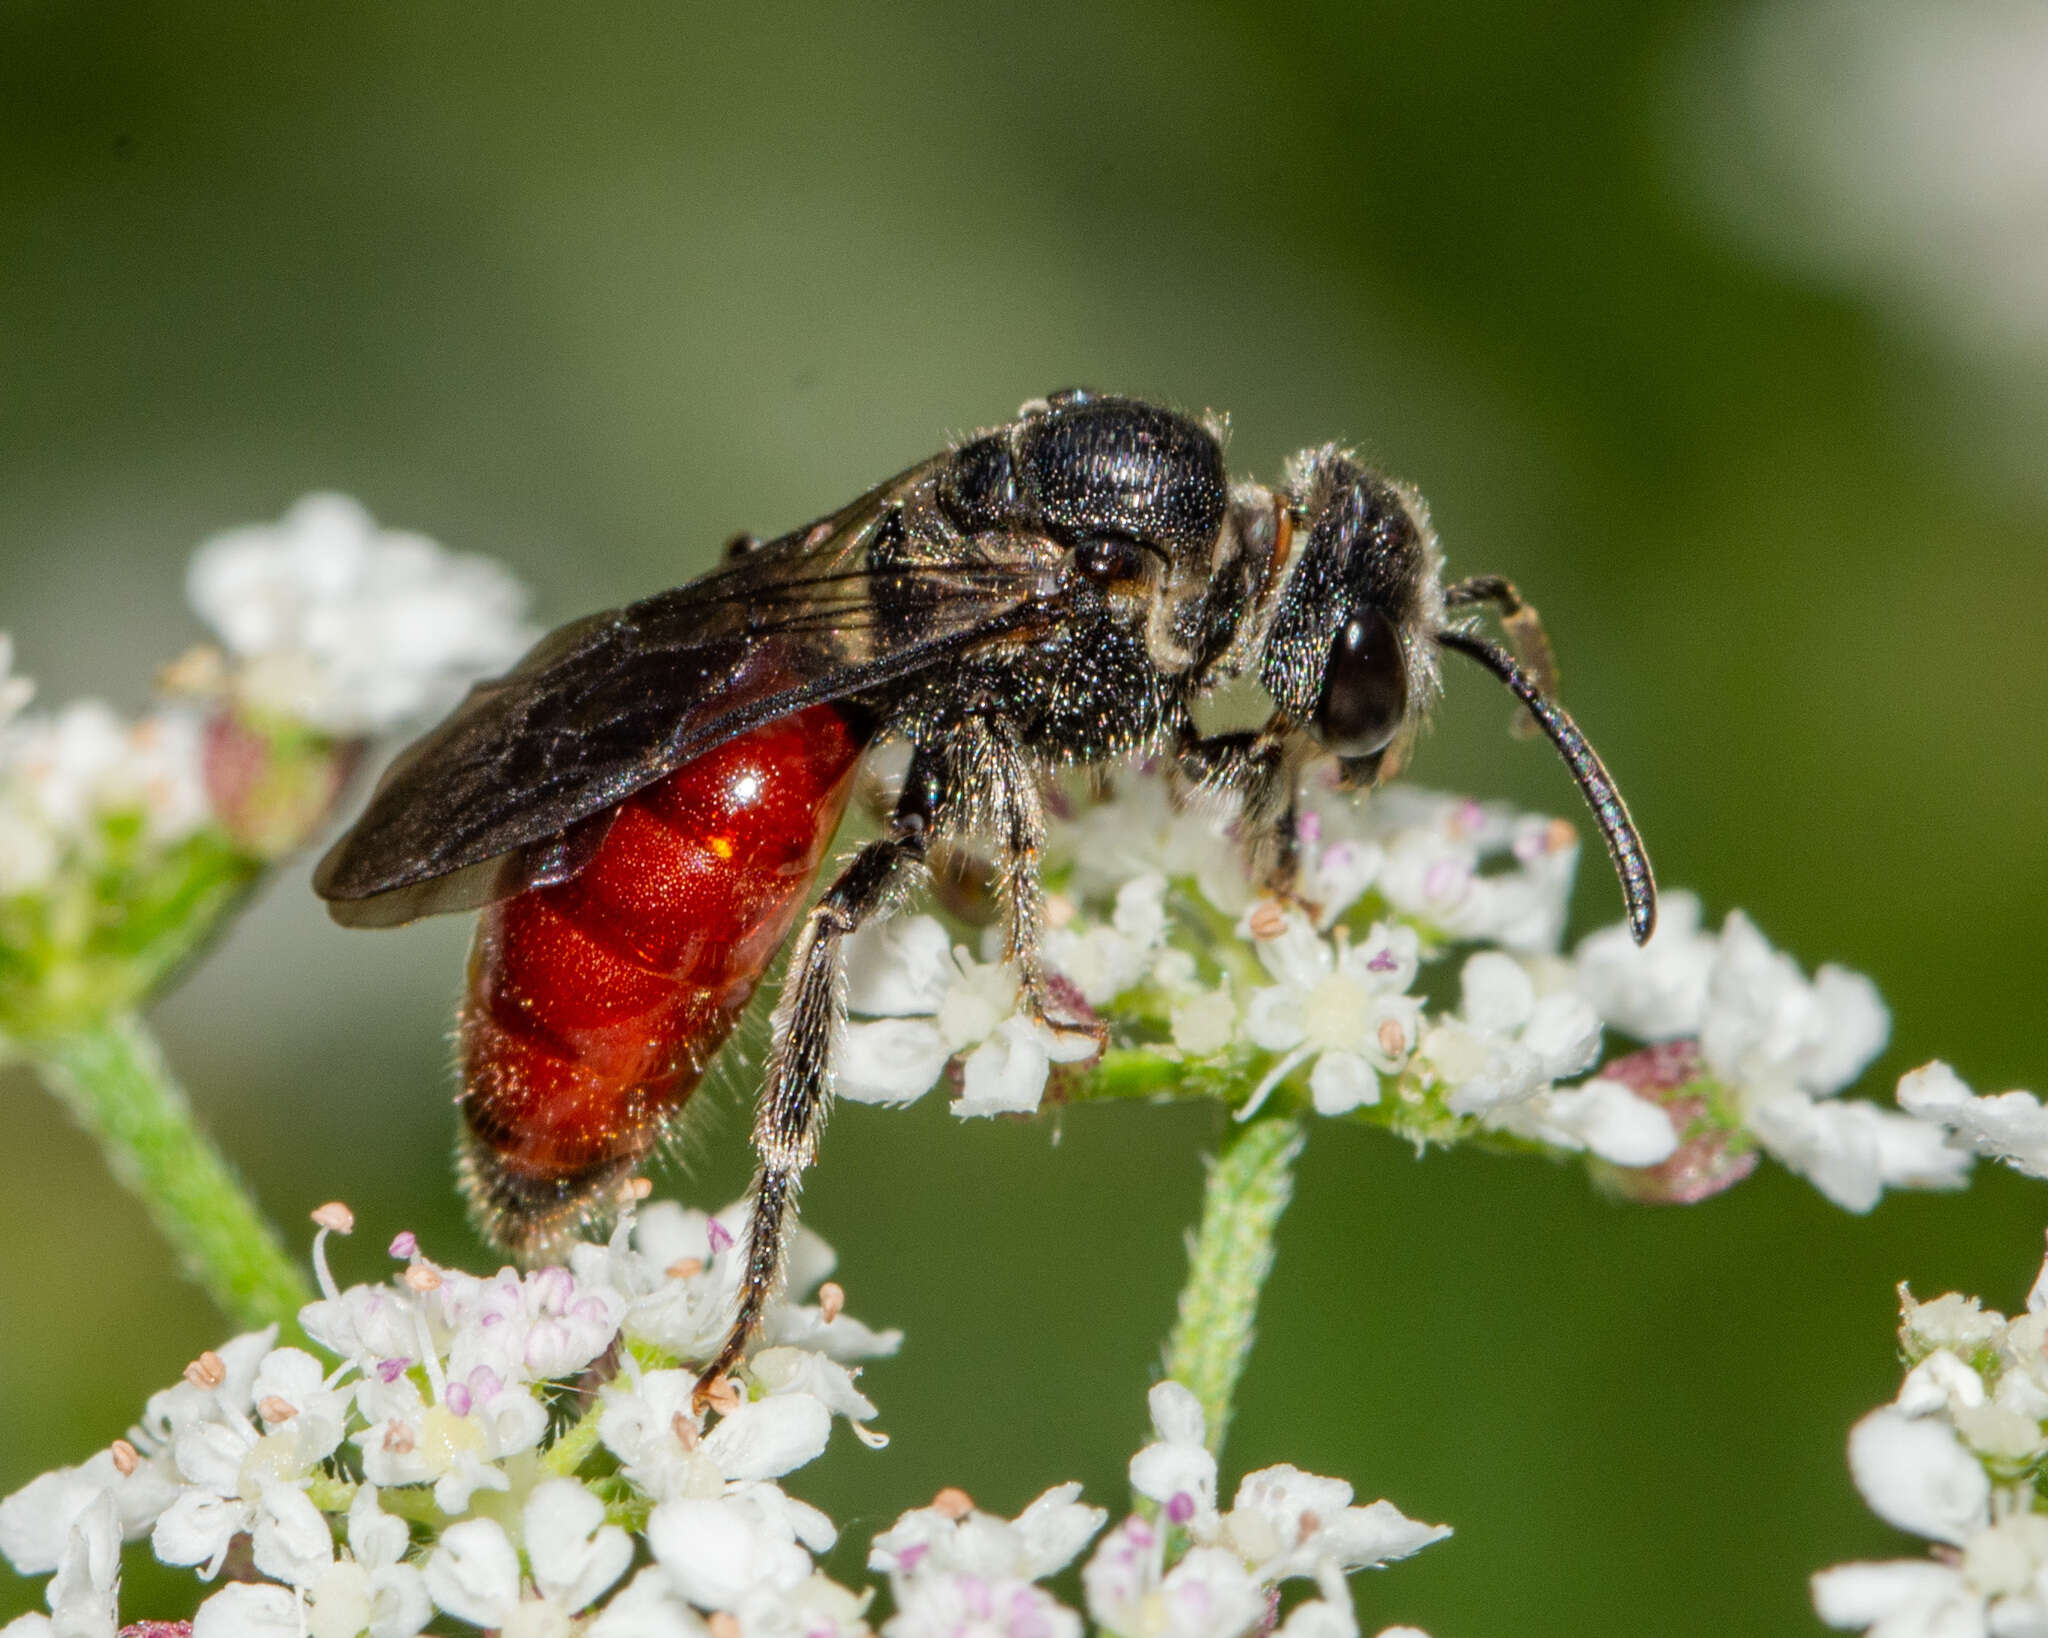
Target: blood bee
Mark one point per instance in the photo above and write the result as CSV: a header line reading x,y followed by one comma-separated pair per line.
x,y
641,804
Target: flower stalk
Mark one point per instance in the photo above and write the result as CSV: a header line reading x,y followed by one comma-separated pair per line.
x,y
1251,1179
112,1077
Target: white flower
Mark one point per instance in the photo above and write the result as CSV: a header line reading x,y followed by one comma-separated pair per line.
x,y
371,1590
574,1554
1102,961
1767,1027
1437,850
1176,1469
1655,991
1602,1117
678,1273
1144,831
1507,1042
971,1606
83,1595
348,627
925,1003
1339,1006
1852,1151
1285,1522
720,1552
1208,1594
249,1609
1785,1045
1329,1616
647,1608
1041,1541
61,775
1916,1474
2007,1126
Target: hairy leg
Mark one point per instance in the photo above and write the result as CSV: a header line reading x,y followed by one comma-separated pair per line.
x,y
1252,765
797,1091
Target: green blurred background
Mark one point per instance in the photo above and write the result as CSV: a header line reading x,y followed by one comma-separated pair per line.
x,y
593,287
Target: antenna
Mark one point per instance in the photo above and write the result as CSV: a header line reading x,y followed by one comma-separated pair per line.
x,y
1610,813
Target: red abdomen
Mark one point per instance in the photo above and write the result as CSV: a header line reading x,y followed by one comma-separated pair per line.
x,y
595,1006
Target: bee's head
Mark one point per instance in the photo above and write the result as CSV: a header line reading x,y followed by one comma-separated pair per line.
x,y
1349,652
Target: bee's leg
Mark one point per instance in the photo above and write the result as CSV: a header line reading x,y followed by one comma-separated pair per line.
x,y
1527,639
798,1087
1252,765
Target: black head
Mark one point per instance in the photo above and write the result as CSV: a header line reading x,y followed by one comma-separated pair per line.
x,y
1350,649
1347,653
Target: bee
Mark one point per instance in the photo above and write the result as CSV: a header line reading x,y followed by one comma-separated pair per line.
x,y
641,806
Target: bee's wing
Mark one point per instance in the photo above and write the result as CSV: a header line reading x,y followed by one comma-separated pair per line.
x,y
512,789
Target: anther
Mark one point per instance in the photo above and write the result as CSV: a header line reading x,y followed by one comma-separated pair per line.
x,y
1267,920
422,1277
126,1457
722,1395
207,1371
685,1268
274,1409
336,1217
954,1502
684,1429
831,1300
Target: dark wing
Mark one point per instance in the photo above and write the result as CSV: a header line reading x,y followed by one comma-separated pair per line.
x,y
514,789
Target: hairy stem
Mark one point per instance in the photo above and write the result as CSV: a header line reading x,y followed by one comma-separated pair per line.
x,y
112,1077
1250,1182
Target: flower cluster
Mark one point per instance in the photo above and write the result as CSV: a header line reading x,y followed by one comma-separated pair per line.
x,y
122,840
1955,1458
526,1454
349,628
1336,1000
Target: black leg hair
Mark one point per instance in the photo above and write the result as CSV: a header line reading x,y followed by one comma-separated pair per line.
x,y
1253,764
797,1092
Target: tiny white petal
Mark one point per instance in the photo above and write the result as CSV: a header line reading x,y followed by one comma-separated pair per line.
x,y
767,1438
248,1609
1861,1595
1176,1413
889,1060
474,1573
292,1540
647,1608
575,1555
899,967
1006,1074
1915,1473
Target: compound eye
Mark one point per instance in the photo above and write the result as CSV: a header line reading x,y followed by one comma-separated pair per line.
x,y
1365,688
1110,557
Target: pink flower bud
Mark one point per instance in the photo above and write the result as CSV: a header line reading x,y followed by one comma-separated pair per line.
x,y
1673,1077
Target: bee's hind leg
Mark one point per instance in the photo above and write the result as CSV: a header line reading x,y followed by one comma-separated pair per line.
x,y
797,1091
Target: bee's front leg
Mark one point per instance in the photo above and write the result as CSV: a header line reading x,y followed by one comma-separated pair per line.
x,y
998,781
1254,766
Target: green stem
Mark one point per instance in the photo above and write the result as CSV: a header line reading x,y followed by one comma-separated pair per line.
x,y
1250,1182
113,1078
